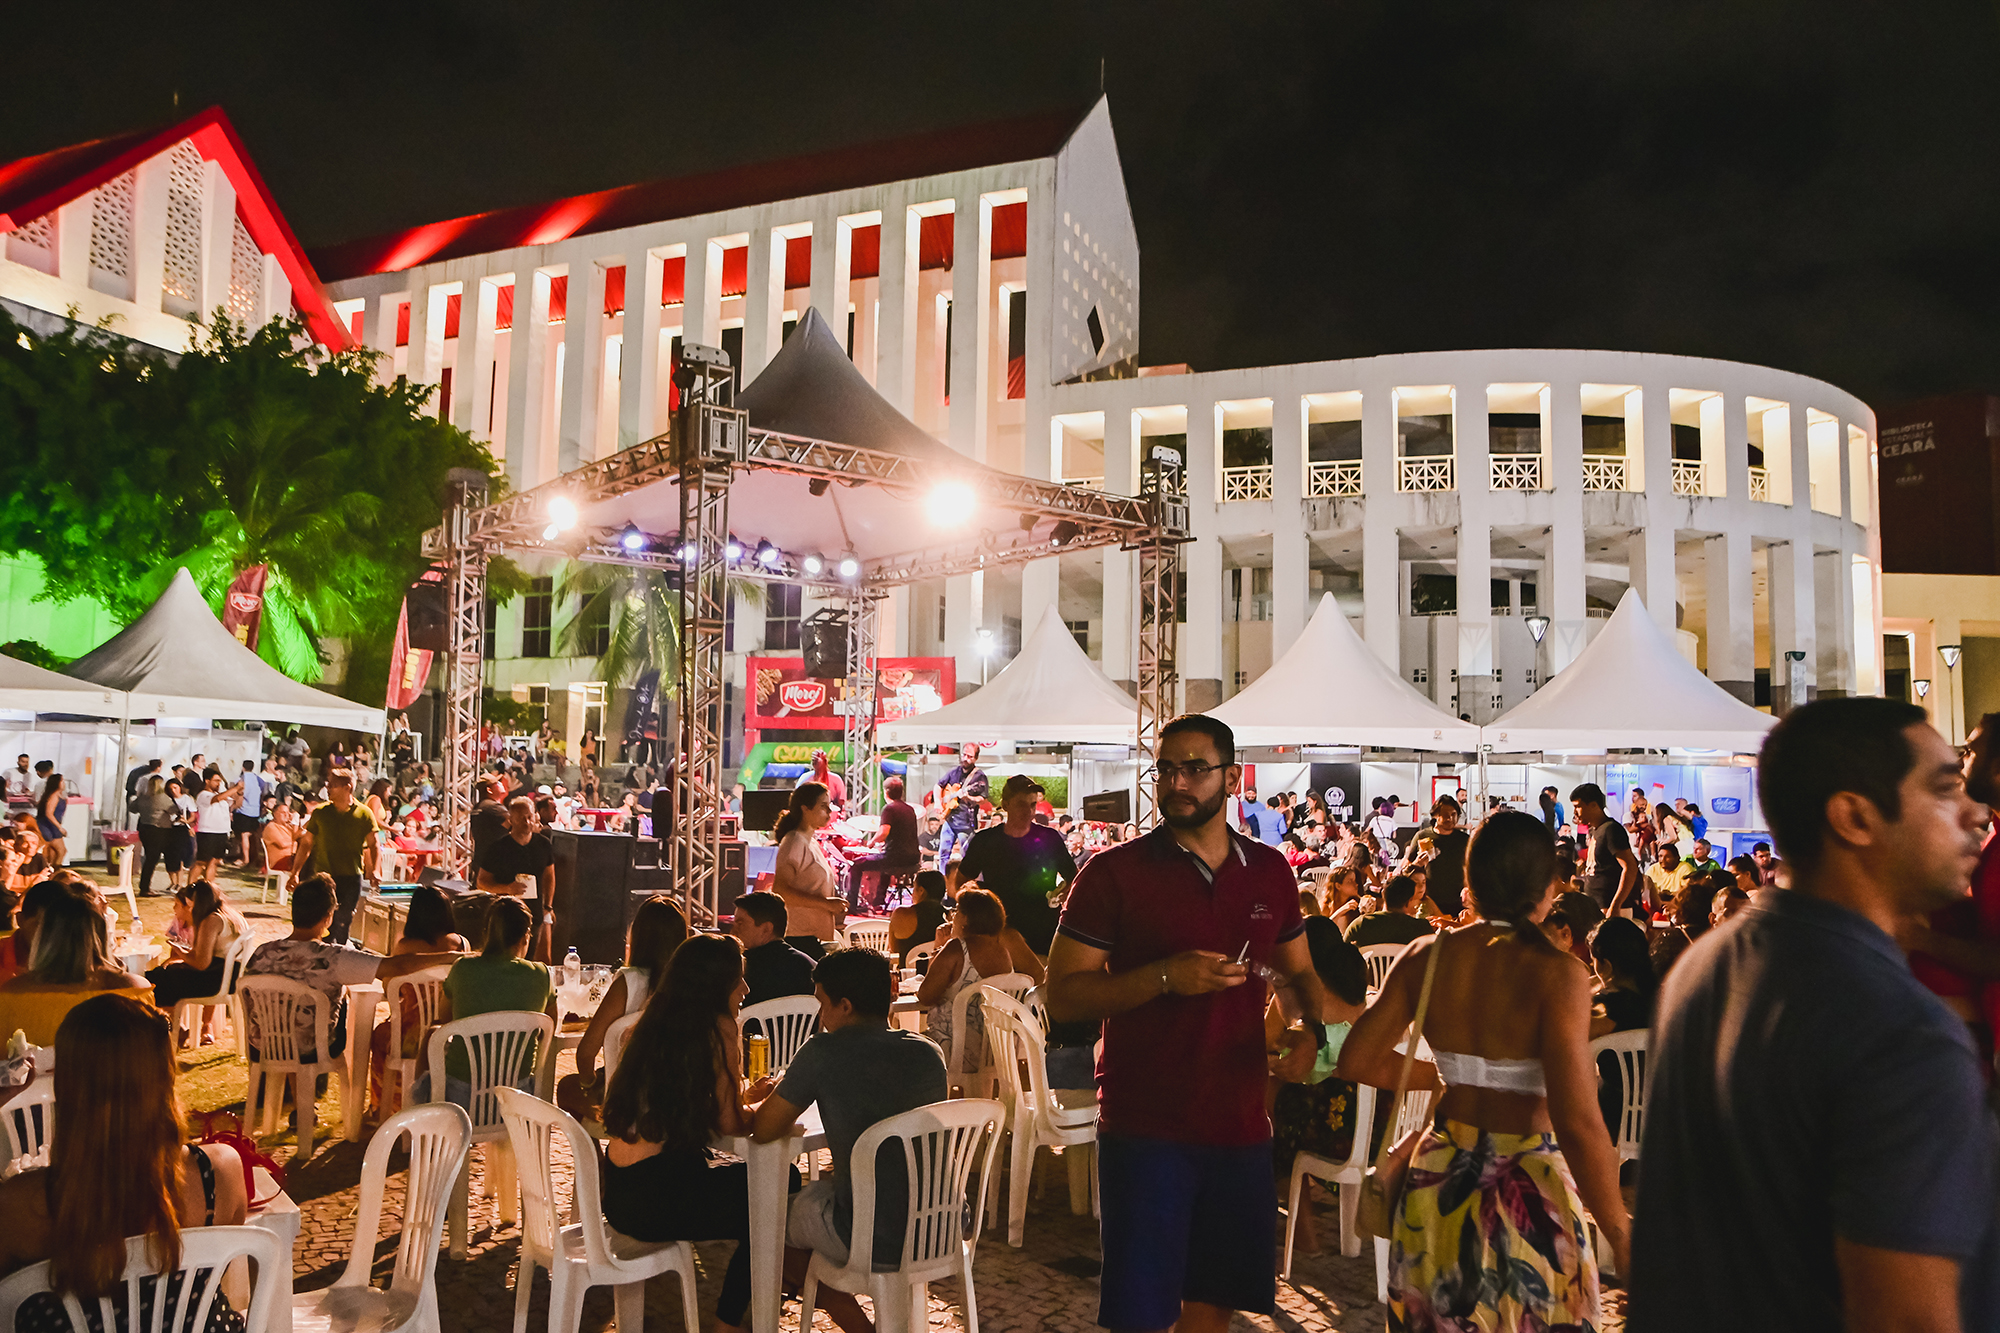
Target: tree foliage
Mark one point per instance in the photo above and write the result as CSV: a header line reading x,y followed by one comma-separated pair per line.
x,y
120,463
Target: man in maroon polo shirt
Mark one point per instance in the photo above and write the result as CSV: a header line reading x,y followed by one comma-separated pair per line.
x,y
1150,942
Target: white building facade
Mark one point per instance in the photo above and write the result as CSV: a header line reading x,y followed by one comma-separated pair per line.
x,y
991,294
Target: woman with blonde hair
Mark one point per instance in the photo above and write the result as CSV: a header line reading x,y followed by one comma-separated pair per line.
x,y
119,1166
71,963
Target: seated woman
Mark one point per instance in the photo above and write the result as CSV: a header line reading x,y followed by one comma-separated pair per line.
x,y
498,977
658,931
918,923
428,928
1311,1110
1623,1002
981,944
118,1167
17,951
216,926
72,962
679,1085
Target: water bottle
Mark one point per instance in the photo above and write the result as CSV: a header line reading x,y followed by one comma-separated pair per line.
x,y
572,968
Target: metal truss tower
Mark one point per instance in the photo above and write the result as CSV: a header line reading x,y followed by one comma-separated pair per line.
x,y
463,667
1163,490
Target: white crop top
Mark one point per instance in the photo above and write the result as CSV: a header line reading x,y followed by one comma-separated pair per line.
x,y
1476,1071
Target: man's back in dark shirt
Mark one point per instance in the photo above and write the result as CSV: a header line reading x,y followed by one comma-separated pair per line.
x,y
1804,1088
900,848
1386,928
775,970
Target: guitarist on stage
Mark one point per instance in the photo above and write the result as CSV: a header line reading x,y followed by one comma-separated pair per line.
x,y
959,795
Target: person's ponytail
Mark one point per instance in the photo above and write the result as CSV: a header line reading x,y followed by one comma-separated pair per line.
x,y
804,797
1509,865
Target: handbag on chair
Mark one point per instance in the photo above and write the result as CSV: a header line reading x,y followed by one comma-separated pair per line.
x,y
1382,1183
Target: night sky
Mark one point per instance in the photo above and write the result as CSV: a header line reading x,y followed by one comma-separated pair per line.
x,y
1813,186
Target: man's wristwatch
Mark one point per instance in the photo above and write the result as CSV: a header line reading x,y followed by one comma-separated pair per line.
x,y
1166,987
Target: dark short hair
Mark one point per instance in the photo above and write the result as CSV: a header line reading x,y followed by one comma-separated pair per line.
x,y
860,976
1446,801
1667,848
312,900
1760,846
1587,791
1396,894
1827,747
1216,730
894,788
1339,964
934,884
766,909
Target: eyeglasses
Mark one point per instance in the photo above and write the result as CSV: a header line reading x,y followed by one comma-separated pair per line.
x,y
1168,772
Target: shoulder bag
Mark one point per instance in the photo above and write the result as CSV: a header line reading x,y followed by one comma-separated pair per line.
x,y
1382,1185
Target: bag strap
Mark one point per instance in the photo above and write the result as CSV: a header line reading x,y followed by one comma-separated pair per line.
x,y
1410,1048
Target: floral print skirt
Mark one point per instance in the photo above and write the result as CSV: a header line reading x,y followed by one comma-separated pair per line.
x,y
1489,1237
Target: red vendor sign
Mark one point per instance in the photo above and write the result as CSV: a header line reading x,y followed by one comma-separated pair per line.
x,y
781,694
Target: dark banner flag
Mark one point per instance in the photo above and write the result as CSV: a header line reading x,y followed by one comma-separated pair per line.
x,y
243,606
642,718
409,667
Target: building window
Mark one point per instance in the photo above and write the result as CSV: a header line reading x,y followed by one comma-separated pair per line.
x,y
594,634
1242,679
1080,631
538,618
784,612
940,637
1420,675
492,628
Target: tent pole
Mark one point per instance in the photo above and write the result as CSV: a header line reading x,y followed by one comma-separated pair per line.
x,y
1483,751
117,823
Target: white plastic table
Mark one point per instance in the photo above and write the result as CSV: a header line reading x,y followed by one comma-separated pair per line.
x,y
280,1217
770,1181
361,1002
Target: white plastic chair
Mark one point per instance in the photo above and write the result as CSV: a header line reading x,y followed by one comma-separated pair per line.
x,y
234,959
1344,1175
1630,1050
789,1021
272,1008
281,880
496,1044
28,1133
439,1137
576,1245
919,952
206,1255
978,1082
940,1143
869,934
399,1071
615,1039
1034,1118
1379,958
1416,1114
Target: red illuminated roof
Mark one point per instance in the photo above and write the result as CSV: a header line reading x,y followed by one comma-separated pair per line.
x,y
929,154
32,187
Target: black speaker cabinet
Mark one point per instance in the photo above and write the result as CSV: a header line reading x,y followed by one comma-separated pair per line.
x,y
593,902
734,859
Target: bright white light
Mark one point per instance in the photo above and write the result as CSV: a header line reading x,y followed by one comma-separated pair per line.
x,y
813,564
633,539
770,555
562,513
549,533
733,551
849,567
690,551
951,503
985,642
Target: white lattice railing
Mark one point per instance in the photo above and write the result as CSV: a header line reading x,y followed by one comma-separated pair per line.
x,y
1425,474
1603,472
1246,483
1088,483
1516,472
1687,477
1341,477
1760,484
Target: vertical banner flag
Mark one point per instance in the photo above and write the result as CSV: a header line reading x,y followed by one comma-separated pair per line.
x,y
409,667
243,605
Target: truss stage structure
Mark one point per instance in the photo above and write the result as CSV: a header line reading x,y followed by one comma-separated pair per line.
x,y
665,504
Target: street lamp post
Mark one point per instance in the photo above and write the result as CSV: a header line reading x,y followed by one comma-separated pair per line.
x,y
985,654
1538,628
1950,653
1795,679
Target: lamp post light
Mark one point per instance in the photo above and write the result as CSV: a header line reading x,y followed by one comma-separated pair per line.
x,y
1795,680
1950,653
1538,628
1923,688
985,654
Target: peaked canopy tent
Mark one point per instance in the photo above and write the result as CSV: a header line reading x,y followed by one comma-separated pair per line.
x,y
26,688
1331,689
1630,689
1049,692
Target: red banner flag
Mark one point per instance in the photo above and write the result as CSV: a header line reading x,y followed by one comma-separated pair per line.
x,y
409,667
243,606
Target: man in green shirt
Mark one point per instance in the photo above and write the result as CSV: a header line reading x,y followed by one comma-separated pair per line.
x,y
340,840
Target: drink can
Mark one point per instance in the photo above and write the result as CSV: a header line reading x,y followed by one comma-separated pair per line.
x,y
757,1060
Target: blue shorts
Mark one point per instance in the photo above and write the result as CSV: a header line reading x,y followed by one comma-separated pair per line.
x,y
1184,1222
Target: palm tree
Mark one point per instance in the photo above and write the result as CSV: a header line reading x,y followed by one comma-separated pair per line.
x,y
643,611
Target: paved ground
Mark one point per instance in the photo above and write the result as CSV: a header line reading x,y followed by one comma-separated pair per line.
x,y
1050,1283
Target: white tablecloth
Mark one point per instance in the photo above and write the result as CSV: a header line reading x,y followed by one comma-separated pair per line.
x,y
770,1192
281,1218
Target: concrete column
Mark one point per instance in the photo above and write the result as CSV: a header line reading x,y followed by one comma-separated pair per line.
x,y
218,218
1382,596
277,291
1793,620
472,386
1201,561
1660,589
639,387
827,289
894,627
1731,625
964,617
1833,591
896,322
73,247
149,235
1119,655
1290,555
1475,551
528,345
583,364
1569,628
1846,470
703,294
1636,441
1041,582
421,357
763,302
971,323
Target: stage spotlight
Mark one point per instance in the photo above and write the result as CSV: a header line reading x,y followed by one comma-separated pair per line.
x,y
818,485
1064,533
951,503
562,513
768,555
549,533
631,538
849,567
734,550
689,552
813,565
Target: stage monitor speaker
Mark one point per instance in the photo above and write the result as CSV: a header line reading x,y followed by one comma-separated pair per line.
x,y
762,808
593,904
823,641
430,615
1108,807
734,860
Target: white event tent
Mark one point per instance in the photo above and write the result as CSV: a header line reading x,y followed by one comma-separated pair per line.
x,y
1050,692
1630,689
29,689
178,661
1331,689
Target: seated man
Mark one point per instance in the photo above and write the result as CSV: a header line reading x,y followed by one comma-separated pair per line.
x,y
280,835
1398,922
898,840
860,1071
771,967
305,957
